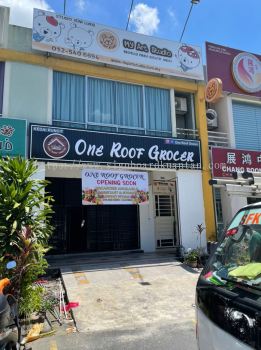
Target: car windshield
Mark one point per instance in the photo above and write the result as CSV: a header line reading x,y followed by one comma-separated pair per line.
x,y
238,257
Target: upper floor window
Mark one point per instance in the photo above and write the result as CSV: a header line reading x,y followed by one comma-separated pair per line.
x,y
100,104
2,72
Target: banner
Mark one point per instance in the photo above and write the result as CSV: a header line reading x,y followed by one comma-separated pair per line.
x,y
225,161
73,37
12,137
77,145
114,187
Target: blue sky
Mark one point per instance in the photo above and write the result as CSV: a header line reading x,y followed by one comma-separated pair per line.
x,y
233,23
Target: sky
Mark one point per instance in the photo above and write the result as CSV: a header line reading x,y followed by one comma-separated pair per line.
x,y
233,23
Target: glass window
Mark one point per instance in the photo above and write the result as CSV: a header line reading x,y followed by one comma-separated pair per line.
x,y
69,99
115,103
239,255
2,72
157,105
107,105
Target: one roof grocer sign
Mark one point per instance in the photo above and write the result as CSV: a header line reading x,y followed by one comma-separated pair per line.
x,y
75,145
83,39
12,137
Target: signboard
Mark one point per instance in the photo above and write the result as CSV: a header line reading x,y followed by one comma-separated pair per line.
x,y
225,161
12,137
239,71
90,41
246,70
213,91
114,187
77,145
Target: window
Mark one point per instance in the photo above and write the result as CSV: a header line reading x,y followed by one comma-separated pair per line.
x,y
185,116
2,72
247,125
157,104
114,103
107,105
68,99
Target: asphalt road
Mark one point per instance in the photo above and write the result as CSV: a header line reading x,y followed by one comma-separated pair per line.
x,y
153,338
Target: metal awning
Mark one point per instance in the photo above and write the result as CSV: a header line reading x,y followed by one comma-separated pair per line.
x,y
242,184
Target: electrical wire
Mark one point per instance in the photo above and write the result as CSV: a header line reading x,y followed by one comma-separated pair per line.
x,y
186,21
129,15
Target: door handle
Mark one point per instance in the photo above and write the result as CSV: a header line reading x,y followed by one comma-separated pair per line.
x,y
82,223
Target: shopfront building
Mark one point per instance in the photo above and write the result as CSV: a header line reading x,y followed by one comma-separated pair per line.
x,y
138,111
239,115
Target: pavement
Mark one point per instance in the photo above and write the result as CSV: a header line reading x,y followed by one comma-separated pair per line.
x,y
128,301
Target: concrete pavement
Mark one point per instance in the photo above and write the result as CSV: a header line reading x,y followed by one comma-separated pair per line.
x,y
135,301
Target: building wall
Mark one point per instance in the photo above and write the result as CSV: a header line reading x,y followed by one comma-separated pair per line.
x,y
230,205
27,92
225,118
191,207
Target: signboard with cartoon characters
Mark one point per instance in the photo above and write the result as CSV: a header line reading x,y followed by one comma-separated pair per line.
x,y
86,40
12,137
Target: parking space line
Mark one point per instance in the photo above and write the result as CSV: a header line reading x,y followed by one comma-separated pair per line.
x,y
81,278
135,273
53,345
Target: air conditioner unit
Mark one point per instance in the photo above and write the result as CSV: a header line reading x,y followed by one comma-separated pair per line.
x,y
212,119
181,105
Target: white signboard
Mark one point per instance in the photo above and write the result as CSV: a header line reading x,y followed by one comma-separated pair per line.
x,y
90,41
114,187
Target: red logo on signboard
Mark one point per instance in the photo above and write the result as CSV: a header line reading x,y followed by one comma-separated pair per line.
x,y
56,146
246,69
226,161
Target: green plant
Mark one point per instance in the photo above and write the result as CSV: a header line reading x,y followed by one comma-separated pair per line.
x,y
192,256
200,229
31,299
25,214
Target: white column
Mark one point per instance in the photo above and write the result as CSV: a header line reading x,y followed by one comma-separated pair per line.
x,y
191,207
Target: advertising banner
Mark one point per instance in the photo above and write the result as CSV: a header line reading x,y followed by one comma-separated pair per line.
x,y
76,145
225,161
12,137
73,37
114,187
239,71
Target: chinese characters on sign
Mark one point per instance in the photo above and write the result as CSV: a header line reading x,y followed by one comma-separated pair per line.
x,y
227,161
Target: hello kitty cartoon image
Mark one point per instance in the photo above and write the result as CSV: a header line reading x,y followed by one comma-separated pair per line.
x,y
79,38
188,57
46,28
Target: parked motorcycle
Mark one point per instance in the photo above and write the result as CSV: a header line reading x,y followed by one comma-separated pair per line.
x,y
10,329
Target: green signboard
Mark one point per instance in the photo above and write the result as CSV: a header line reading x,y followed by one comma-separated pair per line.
x,y
12,137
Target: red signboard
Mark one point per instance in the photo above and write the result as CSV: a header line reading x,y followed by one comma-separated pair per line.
x,y
225,161
239,71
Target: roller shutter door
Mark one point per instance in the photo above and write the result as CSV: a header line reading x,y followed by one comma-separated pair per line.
x,y
247,126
